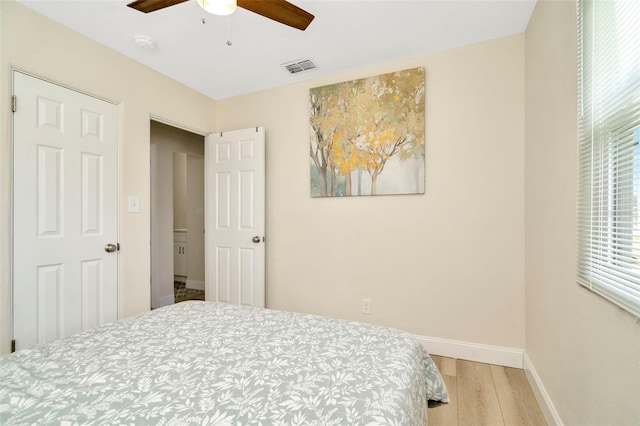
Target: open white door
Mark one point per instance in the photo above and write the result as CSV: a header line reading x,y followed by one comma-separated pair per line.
x,y
235,217
65,192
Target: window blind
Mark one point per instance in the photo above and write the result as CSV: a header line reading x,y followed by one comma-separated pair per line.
x,y
609,150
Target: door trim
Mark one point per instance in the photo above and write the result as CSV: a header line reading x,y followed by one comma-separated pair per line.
x,y
48,80
177,125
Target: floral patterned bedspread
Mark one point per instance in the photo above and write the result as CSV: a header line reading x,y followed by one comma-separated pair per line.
x,y
215,364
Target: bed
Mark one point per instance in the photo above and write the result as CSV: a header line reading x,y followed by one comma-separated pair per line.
x,y
215,364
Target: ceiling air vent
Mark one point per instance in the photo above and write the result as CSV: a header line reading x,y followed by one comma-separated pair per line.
x,y
300,65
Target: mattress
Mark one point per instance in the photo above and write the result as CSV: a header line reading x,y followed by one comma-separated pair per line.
x,y
215,364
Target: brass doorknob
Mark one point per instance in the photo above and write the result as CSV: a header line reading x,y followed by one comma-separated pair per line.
x,y
110,248
256,239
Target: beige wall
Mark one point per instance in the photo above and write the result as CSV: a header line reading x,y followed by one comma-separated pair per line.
x,y
179,188
195,221
586,350
37,45
449,263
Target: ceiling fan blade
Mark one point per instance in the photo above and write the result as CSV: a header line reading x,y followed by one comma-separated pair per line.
x,y
147,6
279,10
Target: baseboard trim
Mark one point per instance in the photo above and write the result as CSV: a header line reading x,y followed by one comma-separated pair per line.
x,y
544,400
498,355
198,285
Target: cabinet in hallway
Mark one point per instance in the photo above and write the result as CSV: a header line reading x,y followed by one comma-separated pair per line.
x,y
180,252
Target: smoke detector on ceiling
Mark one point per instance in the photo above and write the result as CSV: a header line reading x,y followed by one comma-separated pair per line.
x,y
144,42
300,65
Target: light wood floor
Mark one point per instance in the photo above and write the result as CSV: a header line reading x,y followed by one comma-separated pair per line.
x,y
484,394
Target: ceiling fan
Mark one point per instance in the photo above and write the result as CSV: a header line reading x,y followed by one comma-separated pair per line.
x,y
278,10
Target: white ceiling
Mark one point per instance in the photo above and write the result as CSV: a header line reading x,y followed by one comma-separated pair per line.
x,y
345,34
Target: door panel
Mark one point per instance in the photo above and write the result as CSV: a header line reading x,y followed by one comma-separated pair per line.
x,y
235,170
50,204
65,211
50,302
223,274
92,293
247,276
92,196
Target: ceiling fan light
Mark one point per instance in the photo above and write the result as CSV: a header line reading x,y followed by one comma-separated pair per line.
x,y
218,7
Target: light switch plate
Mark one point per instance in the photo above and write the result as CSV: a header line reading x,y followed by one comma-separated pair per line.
x,y
134,204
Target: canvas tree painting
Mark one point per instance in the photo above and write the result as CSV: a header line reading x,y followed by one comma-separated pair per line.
x,y
367,136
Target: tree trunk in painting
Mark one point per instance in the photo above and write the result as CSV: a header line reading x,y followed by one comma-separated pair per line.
x,y
347,186
374,181
359,181
321,166
319,157
323,180
334,181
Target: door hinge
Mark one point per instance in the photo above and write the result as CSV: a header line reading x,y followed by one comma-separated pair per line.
x,y
14,102
13,345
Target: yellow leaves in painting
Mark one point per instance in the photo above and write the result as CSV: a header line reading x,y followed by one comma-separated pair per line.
x,y
362,124
344,156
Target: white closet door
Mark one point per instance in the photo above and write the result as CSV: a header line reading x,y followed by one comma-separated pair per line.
x,y
64,212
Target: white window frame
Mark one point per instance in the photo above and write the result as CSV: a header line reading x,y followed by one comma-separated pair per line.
x,y
609,158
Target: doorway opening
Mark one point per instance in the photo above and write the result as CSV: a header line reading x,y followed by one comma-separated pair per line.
x,y
177,215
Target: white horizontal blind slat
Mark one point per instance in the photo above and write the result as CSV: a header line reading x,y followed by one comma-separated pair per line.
x,y
609,150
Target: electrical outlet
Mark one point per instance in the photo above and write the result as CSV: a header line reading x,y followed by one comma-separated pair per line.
x,y
366,306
